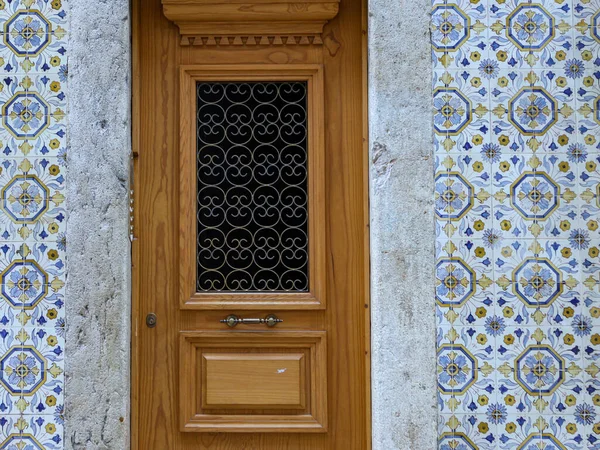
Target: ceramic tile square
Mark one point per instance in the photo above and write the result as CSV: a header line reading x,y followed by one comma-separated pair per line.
x,y
530,34
16,371
34,432
466,431
33,36
466,361
536,371
48,396
587,45
534,111
32,199
458,34
461,111
33,117
535,196
517,430
17,14
586,13
537,285
9,424
543,432
464,284
32,371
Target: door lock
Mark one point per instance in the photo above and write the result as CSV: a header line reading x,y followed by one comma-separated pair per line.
x,y
151,320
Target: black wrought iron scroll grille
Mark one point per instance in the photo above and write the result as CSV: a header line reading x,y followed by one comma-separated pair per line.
x,y
252,187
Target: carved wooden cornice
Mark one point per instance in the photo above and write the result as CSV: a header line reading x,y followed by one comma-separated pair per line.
x,y
245,23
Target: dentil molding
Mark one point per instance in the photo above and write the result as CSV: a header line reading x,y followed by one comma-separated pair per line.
x,y
258,22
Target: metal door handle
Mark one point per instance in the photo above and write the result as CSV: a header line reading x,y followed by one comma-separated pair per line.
x,y
232,320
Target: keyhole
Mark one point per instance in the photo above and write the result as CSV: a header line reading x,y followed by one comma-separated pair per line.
x,y
151,320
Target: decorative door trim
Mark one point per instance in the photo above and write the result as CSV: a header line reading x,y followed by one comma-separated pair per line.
x,y
257,22
314,298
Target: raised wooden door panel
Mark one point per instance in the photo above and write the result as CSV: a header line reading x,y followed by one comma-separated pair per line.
x,y
263,381
314,296
243,381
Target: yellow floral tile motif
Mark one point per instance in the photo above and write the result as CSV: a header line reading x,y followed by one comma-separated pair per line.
x,y
516,117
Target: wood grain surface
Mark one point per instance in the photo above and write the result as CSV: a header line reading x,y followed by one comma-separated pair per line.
x,y
156,365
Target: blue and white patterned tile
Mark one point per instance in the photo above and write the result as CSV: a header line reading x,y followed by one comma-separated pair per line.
x,y
34,432
530,35
49,308
540,369
45,397
49,312
534,109
559,290
529,305
32,115
518,391
52,12
465,367
525,282
588,237
588,111
592,418
585,12
535,196
33,124
516,429
475,311
592,438
461,111
20,371
32,199
587,45
464,283
592,370
591,349
568,397
471,166
591,294
459,34
33,282
565,429
544,432
466,431
450,223
51,88
9,424
32,374
33,38
462,208
588,240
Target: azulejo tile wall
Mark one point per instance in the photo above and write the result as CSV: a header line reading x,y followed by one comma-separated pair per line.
x,y
33,106
516,99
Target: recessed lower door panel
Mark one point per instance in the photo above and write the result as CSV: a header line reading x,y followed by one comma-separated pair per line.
x,y
237,381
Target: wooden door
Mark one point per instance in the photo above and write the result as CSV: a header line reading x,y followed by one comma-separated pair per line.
x,y
216,82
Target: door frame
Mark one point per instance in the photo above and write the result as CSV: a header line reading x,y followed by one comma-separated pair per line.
x,y
137,320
